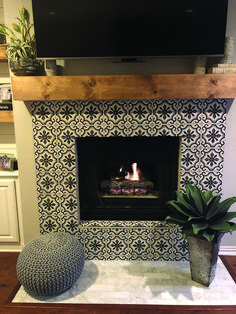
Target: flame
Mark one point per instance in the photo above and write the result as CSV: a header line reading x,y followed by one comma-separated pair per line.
x,y
135,175
135,172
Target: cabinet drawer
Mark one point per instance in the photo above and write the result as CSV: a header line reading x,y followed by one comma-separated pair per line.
x,y
9,231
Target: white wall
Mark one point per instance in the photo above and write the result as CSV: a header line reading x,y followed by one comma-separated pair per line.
x,y
7,138
229,176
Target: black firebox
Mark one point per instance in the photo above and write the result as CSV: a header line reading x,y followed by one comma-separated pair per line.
x,y
126,178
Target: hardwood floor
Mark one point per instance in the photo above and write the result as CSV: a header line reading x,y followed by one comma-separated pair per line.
x,y
9,285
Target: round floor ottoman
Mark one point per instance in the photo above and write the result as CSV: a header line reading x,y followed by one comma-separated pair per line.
x,y
50,264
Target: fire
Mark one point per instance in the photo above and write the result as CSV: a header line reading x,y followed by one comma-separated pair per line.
x,y
135,175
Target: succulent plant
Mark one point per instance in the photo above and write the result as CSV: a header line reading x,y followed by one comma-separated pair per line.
x,y
21,47
201,213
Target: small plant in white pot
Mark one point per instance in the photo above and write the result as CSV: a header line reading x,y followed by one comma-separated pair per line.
x,y
204,219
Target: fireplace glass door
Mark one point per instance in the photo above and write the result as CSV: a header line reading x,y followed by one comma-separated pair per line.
x,y
126,178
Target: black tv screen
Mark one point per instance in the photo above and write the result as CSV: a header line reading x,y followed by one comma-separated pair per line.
x,y
129,28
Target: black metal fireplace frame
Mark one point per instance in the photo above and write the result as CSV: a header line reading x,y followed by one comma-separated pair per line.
x,y
90,154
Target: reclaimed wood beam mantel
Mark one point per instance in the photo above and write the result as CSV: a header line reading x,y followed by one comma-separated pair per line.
x,y
98,87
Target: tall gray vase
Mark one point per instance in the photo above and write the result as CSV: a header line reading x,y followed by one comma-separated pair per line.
x,y
203,257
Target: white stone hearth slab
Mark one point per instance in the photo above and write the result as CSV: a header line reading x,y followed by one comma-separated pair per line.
x,y
142,282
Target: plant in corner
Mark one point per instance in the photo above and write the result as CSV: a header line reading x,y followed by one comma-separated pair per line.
x,y
204,219
21,49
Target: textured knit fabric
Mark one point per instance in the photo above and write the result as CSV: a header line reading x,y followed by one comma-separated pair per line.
x,y
50,264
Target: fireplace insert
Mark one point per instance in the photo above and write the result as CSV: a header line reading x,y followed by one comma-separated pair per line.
x,y
126,178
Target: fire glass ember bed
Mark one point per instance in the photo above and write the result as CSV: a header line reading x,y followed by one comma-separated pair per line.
x,y
126,178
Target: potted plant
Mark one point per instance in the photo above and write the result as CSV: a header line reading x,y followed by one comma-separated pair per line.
x,y
21,49
204,220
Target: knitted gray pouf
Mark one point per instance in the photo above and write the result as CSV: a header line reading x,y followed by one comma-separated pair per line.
x,y
50,264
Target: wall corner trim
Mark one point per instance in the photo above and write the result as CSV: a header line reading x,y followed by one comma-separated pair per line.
x,y
228,250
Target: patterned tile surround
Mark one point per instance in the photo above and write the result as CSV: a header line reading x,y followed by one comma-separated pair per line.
x,y
199,122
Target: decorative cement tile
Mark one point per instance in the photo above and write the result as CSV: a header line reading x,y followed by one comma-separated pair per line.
x,y
200,123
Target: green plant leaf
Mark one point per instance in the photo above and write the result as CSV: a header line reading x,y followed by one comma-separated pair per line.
x,y
195,197
221,227
181,208
182,198
198,199
226,217
7,32
173,221
16,27
187,232
2,29
193,219
225,205
232,226
230,216
212,206
208,195
189,191
177,218
24,14
199,226
209,237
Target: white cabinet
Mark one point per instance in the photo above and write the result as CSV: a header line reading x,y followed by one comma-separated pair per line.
x,y
9,226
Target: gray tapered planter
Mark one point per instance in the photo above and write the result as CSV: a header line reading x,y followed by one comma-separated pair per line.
x,y
203,257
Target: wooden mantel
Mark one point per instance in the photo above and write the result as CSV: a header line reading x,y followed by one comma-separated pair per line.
x,y
167,86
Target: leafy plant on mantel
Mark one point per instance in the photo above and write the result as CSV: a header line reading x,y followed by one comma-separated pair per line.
x,y
201,213
21,46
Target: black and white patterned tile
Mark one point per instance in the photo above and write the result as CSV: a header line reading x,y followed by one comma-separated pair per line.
x,y
200,123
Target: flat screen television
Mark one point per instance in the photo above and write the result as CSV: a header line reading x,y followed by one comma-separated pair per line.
x,y
129,28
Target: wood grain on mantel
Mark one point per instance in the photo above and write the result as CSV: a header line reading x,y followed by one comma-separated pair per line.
x,y
96,87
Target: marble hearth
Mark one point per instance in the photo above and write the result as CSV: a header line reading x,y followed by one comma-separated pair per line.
x,y
200,124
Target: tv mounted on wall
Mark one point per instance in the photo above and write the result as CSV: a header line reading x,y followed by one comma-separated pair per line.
x,y
129,28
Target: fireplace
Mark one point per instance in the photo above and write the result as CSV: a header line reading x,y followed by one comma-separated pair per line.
x,y
126,178
198,123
